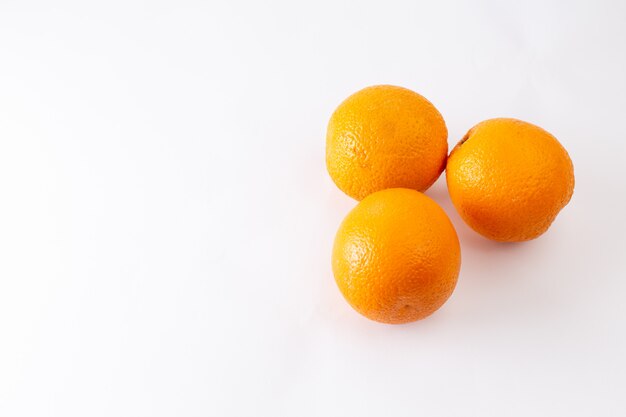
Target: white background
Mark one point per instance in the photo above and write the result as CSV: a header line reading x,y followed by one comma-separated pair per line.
x,y
166,218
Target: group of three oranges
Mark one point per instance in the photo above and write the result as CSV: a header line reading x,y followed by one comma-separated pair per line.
x,y
396,256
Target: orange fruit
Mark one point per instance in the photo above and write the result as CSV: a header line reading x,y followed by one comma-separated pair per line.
x,y
396,256
508,179
385,137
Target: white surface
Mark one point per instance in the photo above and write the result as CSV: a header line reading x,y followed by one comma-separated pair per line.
x,y
166,218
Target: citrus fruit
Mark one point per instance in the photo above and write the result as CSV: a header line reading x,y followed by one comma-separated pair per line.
x,y
385,137
396,256
508,179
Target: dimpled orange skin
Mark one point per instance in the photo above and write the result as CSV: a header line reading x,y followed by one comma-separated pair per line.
x,y
385,137
396,256
508,179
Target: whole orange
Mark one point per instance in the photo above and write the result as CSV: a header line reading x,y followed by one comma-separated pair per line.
x,y
396,256
385,137
509,179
